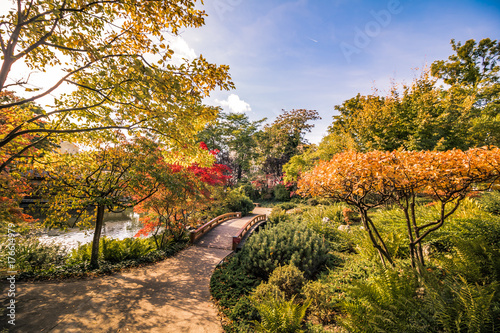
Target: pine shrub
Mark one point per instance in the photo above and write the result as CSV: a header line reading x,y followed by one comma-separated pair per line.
x,y
283,244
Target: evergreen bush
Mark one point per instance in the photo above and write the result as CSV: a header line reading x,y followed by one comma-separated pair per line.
x,y
285,283
289,279
282,244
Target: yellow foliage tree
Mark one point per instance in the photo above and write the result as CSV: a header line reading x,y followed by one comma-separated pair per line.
x,y
115,58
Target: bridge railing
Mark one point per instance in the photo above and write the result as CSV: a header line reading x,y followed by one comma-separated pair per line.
x,y
195,234
239,236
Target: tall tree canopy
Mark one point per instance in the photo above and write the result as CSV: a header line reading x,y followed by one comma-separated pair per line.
x,y
284,138
461,114
233,134
116,60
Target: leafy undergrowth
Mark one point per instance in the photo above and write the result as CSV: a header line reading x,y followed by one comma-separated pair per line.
x,y
271,270
38,261
458,291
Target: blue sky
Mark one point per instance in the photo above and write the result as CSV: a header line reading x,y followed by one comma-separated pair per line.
x,y
315,54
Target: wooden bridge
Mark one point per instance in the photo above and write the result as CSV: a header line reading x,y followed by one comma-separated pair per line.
x,y
228,231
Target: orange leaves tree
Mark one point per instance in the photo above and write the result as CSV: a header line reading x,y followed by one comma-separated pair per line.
x,y
14,160
182,191
368,180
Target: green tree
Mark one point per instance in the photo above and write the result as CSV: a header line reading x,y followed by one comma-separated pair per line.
x,y
233,135
284,138
473,74
425,116
330,145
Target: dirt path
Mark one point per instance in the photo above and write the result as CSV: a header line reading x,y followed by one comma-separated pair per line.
x,y
170,296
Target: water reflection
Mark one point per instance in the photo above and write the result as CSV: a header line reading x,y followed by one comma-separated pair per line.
x,y
116,225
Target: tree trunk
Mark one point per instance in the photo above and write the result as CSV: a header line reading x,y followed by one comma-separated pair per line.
x,y
97,236
240,171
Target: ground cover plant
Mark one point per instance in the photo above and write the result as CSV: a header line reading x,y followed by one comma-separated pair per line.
x,y
458,290
39,261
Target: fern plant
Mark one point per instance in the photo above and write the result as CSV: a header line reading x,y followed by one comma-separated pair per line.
x,y
281,316
387,302
476,260
461,306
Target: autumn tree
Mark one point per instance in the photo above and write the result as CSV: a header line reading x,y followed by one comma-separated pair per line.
x,y
82,187
368,180
15,159
182,193
117,70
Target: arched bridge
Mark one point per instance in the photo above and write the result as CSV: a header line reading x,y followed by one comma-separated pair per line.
x,y
229,231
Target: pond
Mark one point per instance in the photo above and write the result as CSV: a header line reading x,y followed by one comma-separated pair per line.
x,y
116,225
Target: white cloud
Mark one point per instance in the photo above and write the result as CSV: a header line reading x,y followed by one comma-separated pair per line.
x,y
235,104
181,50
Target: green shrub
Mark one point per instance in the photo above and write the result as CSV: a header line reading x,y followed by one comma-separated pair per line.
x,y
281,193
332,288
76,264
244,311
249,191
286,205
324,300
238,202
285,283
265,292
282,244
490,202
230,282
113,250
281,316
278,215
289,279
32,255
